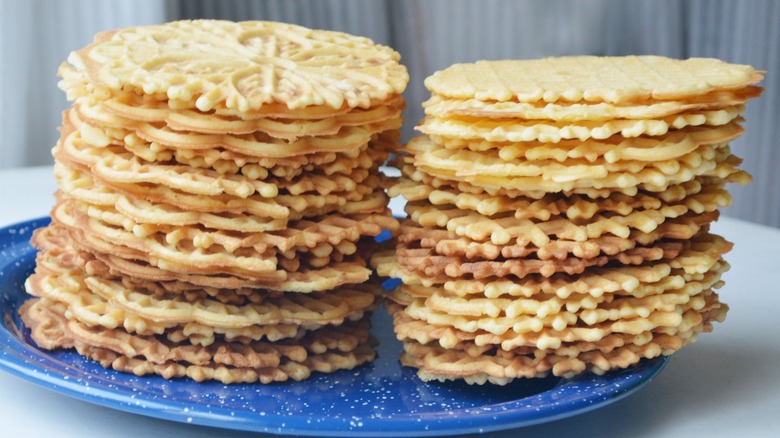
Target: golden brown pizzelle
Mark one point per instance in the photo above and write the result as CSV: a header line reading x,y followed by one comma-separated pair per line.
x,y
227,362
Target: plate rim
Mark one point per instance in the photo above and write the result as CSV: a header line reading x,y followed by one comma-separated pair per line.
x,y
493,419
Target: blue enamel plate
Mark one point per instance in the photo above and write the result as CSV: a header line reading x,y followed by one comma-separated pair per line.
x,y
379,399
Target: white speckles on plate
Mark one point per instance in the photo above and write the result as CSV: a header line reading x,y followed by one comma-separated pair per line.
x,y
380,399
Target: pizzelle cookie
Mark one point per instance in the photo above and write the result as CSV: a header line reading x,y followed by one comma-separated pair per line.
x,y
618,80
559,213
219,198
242,66
227,362
570,112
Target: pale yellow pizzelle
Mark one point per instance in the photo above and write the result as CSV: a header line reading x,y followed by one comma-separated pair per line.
x,y
337,231
448,243
207,64
440,106
537,188
83,187
503,130
68,244
507,229
144,108
278,128
248,161
111,303
637,281
612,281
127,161
675,201
366,197
591,79
588,308
528,316
477,362
591,336
596,182
437,363
226,162
103,127
305,279
465,164
613,149
116,164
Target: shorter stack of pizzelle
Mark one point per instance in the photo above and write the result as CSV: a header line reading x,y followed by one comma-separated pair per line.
x,y
559,214
219,189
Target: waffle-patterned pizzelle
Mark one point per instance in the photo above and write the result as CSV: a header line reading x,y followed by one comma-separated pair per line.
x,y
536,188
623,314
530,334
289,169
490,163
339,154
692,196
438,363
559,357
329,362
335,231
711,162
426,261
81,186
612,149
449,243
440,106
505,228
265,269
618,80
257,143
501,130
148,115
114,163
91,140
108,301
624,280
559,213
588,290
305,279
219,198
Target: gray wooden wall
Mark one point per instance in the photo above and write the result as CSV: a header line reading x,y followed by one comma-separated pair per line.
x,y
432,34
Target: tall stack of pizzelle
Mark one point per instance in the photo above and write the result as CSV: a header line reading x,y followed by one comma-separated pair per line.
x,y
218,185
559,214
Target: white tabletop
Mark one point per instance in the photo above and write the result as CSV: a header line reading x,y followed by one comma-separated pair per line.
x,y
726,384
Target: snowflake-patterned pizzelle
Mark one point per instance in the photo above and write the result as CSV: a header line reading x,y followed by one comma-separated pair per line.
x,y
208,64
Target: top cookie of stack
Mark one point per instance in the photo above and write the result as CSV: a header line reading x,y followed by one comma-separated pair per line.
x,y
559,212
216,181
